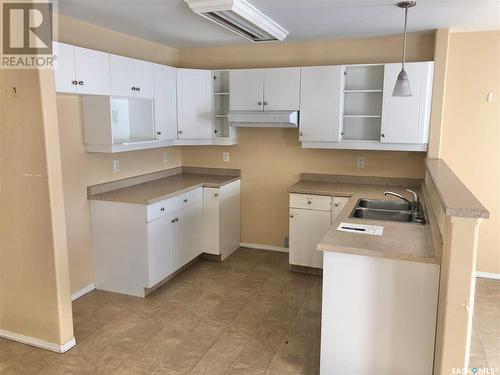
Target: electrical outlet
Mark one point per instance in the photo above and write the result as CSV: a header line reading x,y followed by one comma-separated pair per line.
x,y
116,166
165,157
225,156
360,162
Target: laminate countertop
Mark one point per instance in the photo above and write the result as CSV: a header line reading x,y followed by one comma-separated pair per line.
x,y
402,241
159,189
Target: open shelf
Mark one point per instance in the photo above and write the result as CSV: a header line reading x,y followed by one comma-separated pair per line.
x,y
368,91
362,116
221,127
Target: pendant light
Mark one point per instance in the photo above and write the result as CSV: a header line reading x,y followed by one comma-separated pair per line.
x,y
402,87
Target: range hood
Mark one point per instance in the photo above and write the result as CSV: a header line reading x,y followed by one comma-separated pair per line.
x,y
264,119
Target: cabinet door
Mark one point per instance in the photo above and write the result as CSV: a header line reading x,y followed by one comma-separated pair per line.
x,y
122,76
338,205
64,71
160,247
282,89
247,90
320,98
211,220
307,227
165,81
406,119
92,71
194,103
144,79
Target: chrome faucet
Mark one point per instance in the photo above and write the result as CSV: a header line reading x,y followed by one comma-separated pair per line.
x,y
400,196
416,207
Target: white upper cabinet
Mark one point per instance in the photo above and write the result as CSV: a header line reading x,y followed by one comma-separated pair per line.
x,y
81,70
320,93
165,80
265,89
247,90
131,77
194,103
406,119
281,89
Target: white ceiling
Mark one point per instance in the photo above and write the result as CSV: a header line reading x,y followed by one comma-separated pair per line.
x,y
171,22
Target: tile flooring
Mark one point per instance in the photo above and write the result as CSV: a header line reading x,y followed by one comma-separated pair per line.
x,y
247,315
485,346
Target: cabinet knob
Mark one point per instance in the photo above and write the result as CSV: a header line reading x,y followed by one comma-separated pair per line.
x,y
138,88
259,103
300,133
176,219
216,131
309,202
216,194
162,209
74,82
180,132
265,103
336,204
133,88
291,216
80,83
158,133
382,135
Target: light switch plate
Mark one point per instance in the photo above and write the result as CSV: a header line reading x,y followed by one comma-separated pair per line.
x,y
116,166
225,156
360,162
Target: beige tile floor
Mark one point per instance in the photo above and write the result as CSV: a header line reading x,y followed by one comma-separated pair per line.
x,y
248,315
485,346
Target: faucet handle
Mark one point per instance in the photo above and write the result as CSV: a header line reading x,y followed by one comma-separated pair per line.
x,y
415,195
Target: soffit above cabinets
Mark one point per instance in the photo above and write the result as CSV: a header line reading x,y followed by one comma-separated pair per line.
x,y
172,22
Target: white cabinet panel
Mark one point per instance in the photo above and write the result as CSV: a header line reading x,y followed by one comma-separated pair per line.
x,y
144,79
211,221
281,89
338,205
406,119
194,103
247,90
92,72
320,101
165,80
65,76
307,227
160,247
122,75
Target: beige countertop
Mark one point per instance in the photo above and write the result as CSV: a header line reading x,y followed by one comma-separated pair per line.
x,y
403,241
162,188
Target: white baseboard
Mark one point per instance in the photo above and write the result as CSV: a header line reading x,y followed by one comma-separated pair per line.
x,y
82,292
488,275
42,344
264,247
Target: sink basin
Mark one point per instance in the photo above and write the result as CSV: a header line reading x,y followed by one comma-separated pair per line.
x,y
378,214
383,204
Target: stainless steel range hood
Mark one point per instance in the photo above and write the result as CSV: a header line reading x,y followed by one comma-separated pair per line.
x,y
264,119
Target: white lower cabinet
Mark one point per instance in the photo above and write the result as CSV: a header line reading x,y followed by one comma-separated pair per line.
x,y
310,218
137,246
221,219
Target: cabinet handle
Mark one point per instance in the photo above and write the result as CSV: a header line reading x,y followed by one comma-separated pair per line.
x,y
185,200
291,216
158,133
259,103
216,194
382,135
74,82
172,221
162,209
180,132
309,202
134,88
176,219
80,83
138,88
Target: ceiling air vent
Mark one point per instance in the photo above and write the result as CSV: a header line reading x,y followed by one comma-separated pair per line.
x,y
241,18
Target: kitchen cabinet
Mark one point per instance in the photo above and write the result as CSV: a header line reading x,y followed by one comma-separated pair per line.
x,y
264,89
320,104
131,77
221,219
81,70
310,218
194,104
165,103
406,119
393,328
137,246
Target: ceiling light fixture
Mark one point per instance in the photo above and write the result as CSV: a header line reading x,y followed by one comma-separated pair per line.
x,y
241,18
402,86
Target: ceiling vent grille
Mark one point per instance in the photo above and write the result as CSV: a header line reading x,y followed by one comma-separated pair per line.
x,y
241,18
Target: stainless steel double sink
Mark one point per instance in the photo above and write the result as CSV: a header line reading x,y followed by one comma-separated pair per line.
x,y
383,209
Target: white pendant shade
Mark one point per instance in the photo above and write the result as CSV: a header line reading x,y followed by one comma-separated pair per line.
x,y
402,87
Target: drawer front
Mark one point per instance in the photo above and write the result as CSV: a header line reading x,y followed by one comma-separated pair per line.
x,y
160,209
311,202
187,199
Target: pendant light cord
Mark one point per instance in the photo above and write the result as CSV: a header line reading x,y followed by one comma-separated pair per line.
x,y
404,40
